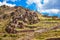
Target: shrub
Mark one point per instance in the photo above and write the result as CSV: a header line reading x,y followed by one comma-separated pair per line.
x,y
5,35
12,35
0,38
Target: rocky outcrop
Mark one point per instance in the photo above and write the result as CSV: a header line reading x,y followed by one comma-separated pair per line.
x,y
16,14
19,13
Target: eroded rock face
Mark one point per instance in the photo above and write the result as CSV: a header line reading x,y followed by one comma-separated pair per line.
x,y
12,25
20,25
29,17
15,14
53,39
25,16
10,30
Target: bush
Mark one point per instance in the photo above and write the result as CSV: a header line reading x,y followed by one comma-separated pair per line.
x,y
0,38
5,35
12,35
5,16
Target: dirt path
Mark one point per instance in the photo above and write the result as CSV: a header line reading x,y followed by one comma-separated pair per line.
x,y
48,29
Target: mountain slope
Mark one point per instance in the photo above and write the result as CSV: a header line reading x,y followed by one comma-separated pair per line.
x,y
17,22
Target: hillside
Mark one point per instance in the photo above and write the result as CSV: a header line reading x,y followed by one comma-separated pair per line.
x,y
18,23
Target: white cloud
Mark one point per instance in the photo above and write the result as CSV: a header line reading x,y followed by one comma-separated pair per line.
x,y
7,4
48,6
12,0
46,1
55,11
1,3
32,1
39,6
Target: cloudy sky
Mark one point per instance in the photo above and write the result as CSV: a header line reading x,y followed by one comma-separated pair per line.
x,y
50,7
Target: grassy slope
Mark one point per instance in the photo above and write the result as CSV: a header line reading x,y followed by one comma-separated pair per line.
x,y
49,34
44,23
47,23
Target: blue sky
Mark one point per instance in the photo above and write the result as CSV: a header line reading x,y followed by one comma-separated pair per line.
x,y
50,7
